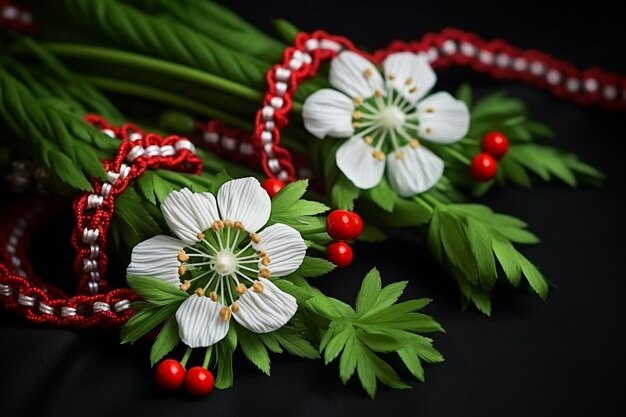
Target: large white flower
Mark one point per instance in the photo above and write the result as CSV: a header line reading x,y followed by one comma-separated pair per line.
x,y
384,119
223,260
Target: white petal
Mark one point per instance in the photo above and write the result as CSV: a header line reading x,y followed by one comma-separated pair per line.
x,y
188,214
347,74
199,322
408,67
246,201
157,257
263,312
328,113
355,159
442,118
285,248
416,172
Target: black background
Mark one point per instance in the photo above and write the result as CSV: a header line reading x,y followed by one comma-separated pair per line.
x,y
564,357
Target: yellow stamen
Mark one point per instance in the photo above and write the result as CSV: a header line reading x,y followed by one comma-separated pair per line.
x,y
356,125
430,110
228,223
261,254
400,155
181,270
378,155
428,130
235,308
412,90
200,236
185,285
378,93
241,288
225,313
217,225
199,292
213,295
266,261
182,256
264,273
255,238
258,287
391,77
357,115
238,225
368,139
367,73
408,81
358,101
414,143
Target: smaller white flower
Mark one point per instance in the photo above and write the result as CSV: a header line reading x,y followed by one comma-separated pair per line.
x,y
223,259
385,119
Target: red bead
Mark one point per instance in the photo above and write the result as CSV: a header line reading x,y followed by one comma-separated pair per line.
x,y
170,374
199,381
339,253
495,144
484,167
273,186
358,221
340,225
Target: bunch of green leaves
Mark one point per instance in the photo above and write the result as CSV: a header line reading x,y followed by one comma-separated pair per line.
x,y
526,160
469,238
377,325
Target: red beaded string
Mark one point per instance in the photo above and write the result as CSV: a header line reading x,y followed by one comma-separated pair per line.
x,y
20,288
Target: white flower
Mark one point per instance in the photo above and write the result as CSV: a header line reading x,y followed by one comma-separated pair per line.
x,y
223,260
384,118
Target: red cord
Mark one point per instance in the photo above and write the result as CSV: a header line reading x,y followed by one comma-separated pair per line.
x,y
20,288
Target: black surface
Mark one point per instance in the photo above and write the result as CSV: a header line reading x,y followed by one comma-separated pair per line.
x,y
564,357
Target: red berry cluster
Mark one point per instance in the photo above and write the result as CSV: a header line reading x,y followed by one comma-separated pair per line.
x,y
171,375
484,166
342,225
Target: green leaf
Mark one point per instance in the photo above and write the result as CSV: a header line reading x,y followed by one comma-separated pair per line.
x,y
383,195
314,267
220,179
343,193
368,294
146,320
156,291
254,349
225,376
165,342
534,277
464,93
288,196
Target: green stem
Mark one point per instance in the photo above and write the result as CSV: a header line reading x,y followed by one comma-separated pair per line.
x,y
315,231
90,52
317,247
456,154
185,358
207,357
426,199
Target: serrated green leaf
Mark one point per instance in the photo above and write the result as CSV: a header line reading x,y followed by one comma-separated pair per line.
x,y
343,193
314,267
370,288
254,349
146,320
535,278
165,342
156,291
383,195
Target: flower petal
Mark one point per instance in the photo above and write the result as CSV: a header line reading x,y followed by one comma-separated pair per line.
x,y
246,201
157,257
266,311
417,171
284,247
409,74
199,322
328,113
356,160
188,214
355,75
442,118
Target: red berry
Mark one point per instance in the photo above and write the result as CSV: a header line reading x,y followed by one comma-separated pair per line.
x,y
358,221
273,186
495,144
484,167
340,225
339,253
199,381
170,374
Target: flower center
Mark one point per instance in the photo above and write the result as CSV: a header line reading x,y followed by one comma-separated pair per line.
x,y
225,262
391,118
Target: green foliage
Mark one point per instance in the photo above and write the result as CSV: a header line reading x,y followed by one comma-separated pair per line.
x,y
378,324
469,238
289,208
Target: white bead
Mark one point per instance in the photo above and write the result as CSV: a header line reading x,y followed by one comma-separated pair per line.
x,y
269,125
282,74
572,85
94,276
89,265
281,88
10,249
274,165
68,311
591,85
99,307
295,64
13,240
124,171
610,92
276,102
134,153
268,148
106,190
312,44
503,60
268,112
266,136
93,287
121,306
94,200
537,68
16,261
282,175
229,143
6,290
90,235
153,150
167,150
246,149
94,251
485,57
184,144
330,45
449,47
211,137
46,309
135,136
468,49
553,77
432,54
112,176
26,300
10,12
109,132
